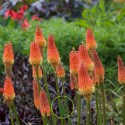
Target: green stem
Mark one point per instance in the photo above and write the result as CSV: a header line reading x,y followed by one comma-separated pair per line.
x,y
97,107
11,116
39,88
103,103
88,112
79,109
124,104
47,90
66,104
57,88
76,99
16,116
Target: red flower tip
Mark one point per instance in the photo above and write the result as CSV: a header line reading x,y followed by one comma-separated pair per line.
x,y
8,93
121,70
60,71
36,94
90,40
25,24
98,67
86,86
44,105
84,55
53,56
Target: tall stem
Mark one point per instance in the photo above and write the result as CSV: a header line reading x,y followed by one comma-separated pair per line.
x,y
11,116
16,116
97,107
76,99
79,109
39,88
69,123
103,103
124,104
88,112
57,88
47,90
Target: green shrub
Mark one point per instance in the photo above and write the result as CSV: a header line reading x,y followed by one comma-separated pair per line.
x,y
66,36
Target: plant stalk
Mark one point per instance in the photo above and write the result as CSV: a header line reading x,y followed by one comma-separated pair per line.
x,y
97,107
103,103
15,112
79,109
76,99
88,112
47,90
11,116
124,104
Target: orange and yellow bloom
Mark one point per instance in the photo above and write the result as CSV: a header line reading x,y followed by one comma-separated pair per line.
x,y
60,71
86,86
74,61
121,70
90,40
95,79
40,39
8,93
98,67
53,56
84,55
36,95
44,104
8,58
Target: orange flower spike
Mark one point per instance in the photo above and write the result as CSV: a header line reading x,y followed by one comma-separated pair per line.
x,y
121,70
98,67
53,56
39,73
8,93
35,55
1,90
40,39
86,86
74,61
95,79
90,40
36,95
8,58
84,55
73,82
44,104
60,71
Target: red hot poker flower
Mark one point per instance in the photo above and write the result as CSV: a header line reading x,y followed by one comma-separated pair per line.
x,y
95,79
36,95
90,40
74,61
8,93
86,86
44,104
121,70
98,67
35,55
8,58
60,71
84,55
40,39
53,56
